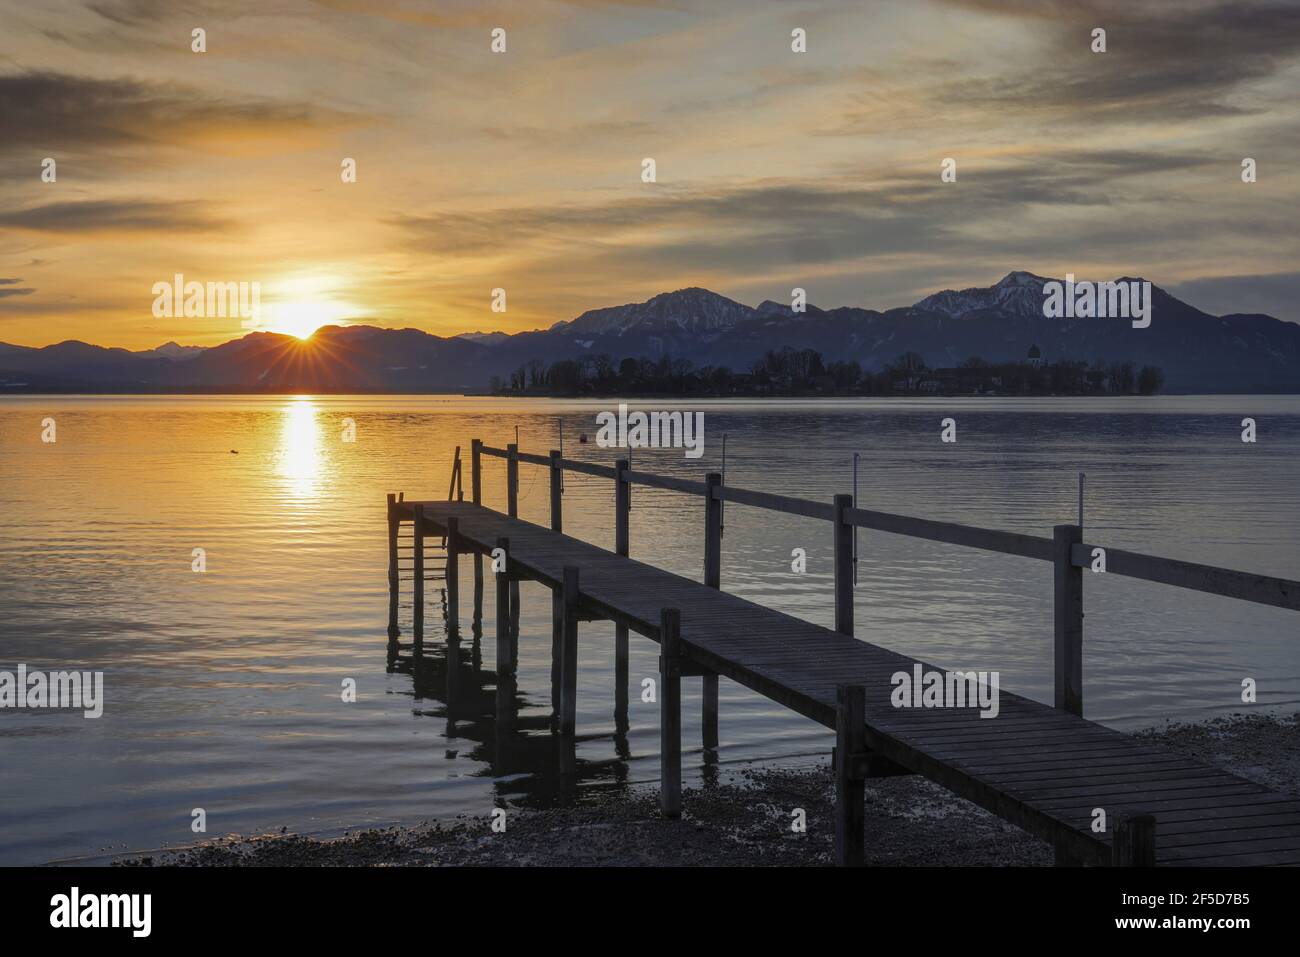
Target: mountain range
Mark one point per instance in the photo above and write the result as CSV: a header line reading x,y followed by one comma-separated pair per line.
x,y
1199,352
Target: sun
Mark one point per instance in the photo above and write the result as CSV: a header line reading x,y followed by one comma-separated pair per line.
x,y
302,317
299,305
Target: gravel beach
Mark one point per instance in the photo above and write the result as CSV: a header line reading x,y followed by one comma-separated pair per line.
x,y
745,819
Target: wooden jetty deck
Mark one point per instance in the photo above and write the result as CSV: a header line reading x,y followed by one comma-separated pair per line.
x,y
1045,769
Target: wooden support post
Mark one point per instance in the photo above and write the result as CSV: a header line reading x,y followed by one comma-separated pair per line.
x,y
557,648
709,710
1068,634
512,480
843,566
1068,592
394,581
1134,843
476,627
622,521
850,774
713,579
476,471
569,662
557,508
453,577
620,678
417,575
504,657
670,712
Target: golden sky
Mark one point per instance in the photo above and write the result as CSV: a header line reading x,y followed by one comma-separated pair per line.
x,y
522,170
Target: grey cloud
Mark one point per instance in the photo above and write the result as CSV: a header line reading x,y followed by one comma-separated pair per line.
x,y
111,216
50,111
1163,60
799,221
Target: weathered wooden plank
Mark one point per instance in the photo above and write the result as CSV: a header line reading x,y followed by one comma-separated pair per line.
x,y
1246,586
534,459
1008,543
672,484
776,503
588,468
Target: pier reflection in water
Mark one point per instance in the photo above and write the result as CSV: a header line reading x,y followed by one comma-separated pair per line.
x,y
509,726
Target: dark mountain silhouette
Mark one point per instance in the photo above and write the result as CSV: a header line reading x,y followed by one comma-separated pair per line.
x,y
1199,352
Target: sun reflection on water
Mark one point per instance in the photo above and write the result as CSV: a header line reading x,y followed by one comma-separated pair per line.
x,y
299,460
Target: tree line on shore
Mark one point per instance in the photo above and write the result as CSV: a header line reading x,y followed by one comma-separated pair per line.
x,y
789,371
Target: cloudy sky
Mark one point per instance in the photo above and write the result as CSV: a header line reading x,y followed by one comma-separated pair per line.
x,y
522,170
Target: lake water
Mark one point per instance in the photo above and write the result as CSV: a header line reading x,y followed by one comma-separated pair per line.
x,y
223,688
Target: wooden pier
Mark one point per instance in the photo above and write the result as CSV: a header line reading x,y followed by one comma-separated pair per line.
x,y
1044,769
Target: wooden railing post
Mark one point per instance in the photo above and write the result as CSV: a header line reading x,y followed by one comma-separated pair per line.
x,y
1068,644
670,712
712,530
393,575
455,476
850,774
569,663
843,566
622,508
713,579
476,496
505,659
476,471
1134,841
622,519
417,574
453,577
512,480
557,507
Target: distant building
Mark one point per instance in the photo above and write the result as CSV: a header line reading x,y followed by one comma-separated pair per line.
x,y
1035,356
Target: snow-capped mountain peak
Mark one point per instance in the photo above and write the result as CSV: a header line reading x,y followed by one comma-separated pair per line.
x,y
692,310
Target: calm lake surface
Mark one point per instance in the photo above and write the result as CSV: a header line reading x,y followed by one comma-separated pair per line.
x,y
223,688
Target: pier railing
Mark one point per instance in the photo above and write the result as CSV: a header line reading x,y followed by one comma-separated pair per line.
x,y
1066,549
